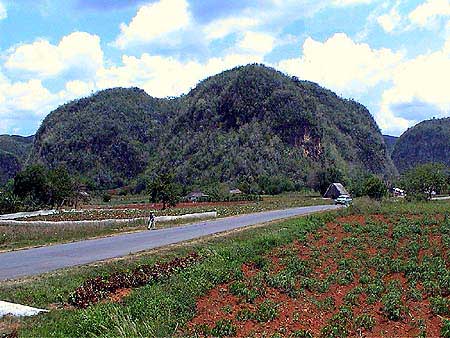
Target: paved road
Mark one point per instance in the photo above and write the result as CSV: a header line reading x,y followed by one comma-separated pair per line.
x,y
39,260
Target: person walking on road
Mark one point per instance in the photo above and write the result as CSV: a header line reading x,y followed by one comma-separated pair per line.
x,y
151,222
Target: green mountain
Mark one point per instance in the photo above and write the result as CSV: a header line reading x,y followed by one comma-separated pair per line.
x,y
427,141
390,142
108,136
14,151
240,126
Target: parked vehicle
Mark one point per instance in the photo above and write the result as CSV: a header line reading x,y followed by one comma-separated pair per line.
x,y
343,199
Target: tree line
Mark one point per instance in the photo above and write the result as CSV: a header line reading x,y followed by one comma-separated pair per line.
x,y
38,187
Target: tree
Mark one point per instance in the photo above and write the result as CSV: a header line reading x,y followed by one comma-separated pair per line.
x,y
326,177
421,181
164,189
32,184
374,187
62,186
39,186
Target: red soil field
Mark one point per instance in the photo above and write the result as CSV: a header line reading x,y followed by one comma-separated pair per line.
x,y
305,309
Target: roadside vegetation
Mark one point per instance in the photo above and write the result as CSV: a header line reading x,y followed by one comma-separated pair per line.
x,y
373,269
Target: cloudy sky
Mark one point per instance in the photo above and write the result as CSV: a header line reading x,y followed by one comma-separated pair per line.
x,y
392,56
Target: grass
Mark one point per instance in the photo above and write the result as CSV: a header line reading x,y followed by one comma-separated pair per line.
x,y
164,308
19,236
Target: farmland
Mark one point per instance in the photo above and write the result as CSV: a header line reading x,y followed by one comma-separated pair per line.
x,y
18,236
371,270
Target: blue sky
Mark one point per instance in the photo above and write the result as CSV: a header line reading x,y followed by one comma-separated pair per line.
x,y
392,56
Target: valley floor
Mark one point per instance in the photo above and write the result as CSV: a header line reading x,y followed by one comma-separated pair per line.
x,y
369,270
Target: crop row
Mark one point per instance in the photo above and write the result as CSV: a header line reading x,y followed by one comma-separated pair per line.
x,y
95,289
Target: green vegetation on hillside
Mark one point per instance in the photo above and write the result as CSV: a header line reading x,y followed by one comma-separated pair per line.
x,y
9,166
14,151
390,142
107,137
428,141
250,127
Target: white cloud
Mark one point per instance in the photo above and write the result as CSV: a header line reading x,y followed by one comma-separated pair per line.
x,y
389,21
426,14
3,11
421,82
76,89
343,65
30,96
222,27
166,76
78,53
40,58
154,21
257,42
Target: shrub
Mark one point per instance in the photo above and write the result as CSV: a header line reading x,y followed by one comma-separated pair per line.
x,y
106,198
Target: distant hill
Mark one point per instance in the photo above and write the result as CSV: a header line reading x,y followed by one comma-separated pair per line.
x,y
242,125
14,151
390,142
108,136
428,141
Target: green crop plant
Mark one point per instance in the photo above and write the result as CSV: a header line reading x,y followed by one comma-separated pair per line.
x,y
392,301
266,311
224,328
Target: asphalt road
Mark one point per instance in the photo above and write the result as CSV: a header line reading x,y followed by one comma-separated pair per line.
x,y
34,261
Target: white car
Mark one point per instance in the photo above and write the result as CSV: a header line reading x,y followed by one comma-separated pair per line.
x,y
343,199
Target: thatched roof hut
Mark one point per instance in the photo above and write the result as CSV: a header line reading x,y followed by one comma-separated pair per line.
x,y
335,190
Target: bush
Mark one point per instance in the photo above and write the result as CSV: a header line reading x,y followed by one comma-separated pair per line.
x,y
106,198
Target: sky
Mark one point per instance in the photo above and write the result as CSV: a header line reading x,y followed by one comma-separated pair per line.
x,y
392,56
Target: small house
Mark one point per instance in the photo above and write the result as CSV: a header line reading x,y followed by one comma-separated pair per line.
x,y
196,196
235,192
335,190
